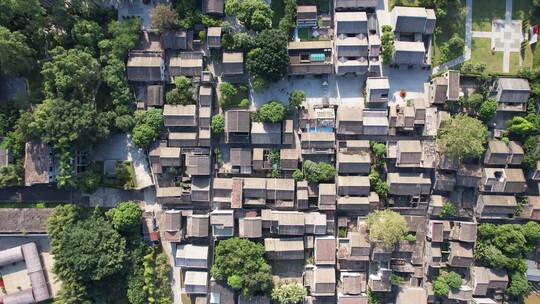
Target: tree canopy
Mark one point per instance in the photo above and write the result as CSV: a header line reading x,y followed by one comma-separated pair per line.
x,y
182,93
71,74
269,59
16,57
86,34
387,226
297,98
164,18
318,172
126,217
241,264
148,125
218,124
254,14
462,137
289,293
273,112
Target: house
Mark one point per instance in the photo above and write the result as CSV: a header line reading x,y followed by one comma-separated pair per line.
x,y
351,283
24,220
496,206
354,4
183,139
468,175
512,94
408,295
536,174
306,16
354,204
172,225
500,153
351,43
284,248
200,189
220,292
531,210
485,279
198,164
461,254
180,115
240,160
281,191
265,133
284,222
353,185
317,118
213,6
191,256
288,137
195,282
327,197
154,96
163,156
408,183
205,114
213,37
188,64
310,57
206,96
318,142
353,162
444,88
325,250
409,53
377,91
250,227
254,192
174,40
222,222
39,167
170,195
324,281
464,232
315,223
503,180
237,126
349,120
375,122
197,226
407,21
222,191
233,63
145,67
288,159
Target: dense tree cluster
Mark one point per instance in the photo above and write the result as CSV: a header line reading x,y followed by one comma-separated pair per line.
x,y
506,246
387,44
446,281
272,112
254,14
182,93
164,18
148,125
241,264
269,59
289,293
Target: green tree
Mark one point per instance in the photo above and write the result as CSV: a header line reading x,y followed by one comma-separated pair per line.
x,y
254,14
453,280
71,74
318,172
218,124
90,180
16,57
273,112
126,217
89,250
387,44
242,40
440,288
519,285
289,293
269,59
228,93
245,259
164,18
87,34
474,102
297,98
387,226
11,175
452,49
147,128
182,94
462,137
67,124
488,110
520,127
448,210
298,175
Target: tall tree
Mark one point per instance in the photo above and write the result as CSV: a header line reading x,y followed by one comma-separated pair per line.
x,y
126,217
71,74
462,137
86,34
386,226
269,59
16,57
164,18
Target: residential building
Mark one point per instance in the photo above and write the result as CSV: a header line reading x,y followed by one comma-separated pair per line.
x,y
197,225
237,126
306,16
145,67
180,115
354,4
233,63
213,6
213,37
355,162
351,43
195,282
503,180
188,64
191,256
265,133
486,279
222,222
377,91
250,227
310,57
512,94
327,197
284,248
174,40
444,88
408,183
349,120
325,250
496,206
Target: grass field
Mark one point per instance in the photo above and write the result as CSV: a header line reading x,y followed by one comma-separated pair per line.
x,y
485,10
481,53
514,62
451,24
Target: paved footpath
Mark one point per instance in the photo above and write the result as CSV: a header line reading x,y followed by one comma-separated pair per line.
x,y
507,25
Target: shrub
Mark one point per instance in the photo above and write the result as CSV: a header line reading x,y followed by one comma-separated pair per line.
x,y
297,98
298,175
448,210
273,112
244,103
387,226
218,124
319,172
289,293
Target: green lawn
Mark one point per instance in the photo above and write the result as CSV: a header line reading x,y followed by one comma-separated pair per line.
x,y
528,56
452,23
279,10
484,11
392,3
481,53
514,63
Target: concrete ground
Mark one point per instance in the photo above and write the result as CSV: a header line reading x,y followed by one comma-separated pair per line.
x,y
119,147
15,277
170,250
135,8
337,89
409,80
